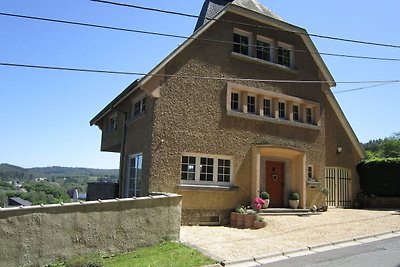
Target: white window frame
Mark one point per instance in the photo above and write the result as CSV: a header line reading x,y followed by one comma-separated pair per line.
x,y
271,47
142,107
270,107
137,177
298,112
215,181
288,47
284,111
312,115
249,44
310,166
255,103
239,101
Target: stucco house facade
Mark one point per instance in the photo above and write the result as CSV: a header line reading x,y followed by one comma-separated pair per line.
x,y
242,106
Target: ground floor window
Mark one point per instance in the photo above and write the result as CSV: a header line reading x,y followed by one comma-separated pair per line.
x,y
206,169
134,174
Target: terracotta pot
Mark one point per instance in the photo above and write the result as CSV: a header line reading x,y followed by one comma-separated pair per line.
x,y
234,219
248,220
258,225
266,203
240,220
293,204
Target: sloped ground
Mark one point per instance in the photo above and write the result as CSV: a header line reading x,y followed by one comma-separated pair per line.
x,y
284,233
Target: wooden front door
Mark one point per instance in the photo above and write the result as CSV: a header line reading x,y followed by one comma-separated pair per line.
x,y
275,177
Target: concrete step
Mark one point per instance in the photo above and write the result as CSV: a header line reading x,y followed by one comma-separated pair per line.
x,y
285,212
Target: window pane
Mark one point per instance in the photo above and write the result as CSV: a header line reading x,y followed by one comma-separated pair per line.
x,y
296,114
188,168
241,44
309,115
282,110
267,107
263,50
251,104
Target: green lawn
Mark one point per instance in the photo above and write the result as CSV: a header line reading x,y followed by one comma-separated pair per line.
x,y
163,254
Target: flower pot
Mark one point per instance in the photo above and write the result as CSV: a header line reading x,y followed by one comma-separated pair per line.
x,y
240,220
293,204
234,216
258,225
248,220
266,203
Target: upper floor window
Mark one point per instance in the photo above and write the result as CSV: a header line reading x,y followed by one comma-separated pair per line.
x,y
251,104
139,107
112,123
235,104
282,110
296,113
285,55
264,49
206,169
267,107
241,43
309,115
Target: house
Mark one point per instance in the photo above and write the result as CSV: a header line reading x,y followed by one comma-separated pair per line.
x,y
17,201
220,121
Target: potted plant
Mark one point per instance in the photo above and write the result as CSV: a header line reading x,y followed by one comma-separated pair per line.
x,y
265,196
249,218
294,200
259,222
325,192
241,212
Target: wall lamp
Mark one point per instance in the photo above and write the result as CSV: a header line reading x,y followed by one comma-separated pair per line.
x,y
339,150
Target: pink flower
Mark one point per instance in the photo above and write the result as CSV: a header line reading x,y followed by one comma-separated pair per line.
x,y
258,203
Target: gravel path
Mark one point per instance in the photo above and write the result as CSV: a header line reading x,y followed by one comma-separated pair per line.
x,y
284,233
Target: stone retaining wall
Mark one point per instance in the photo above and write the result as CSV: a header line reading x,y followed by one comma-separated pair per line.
x,y
38,235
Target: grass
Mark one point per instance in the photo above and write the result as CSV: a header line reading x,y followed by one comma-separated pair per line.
x,y
163,254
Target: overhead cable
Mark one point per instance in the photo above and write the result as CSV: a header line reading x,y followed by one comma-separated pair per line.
x,y
247,24
180,36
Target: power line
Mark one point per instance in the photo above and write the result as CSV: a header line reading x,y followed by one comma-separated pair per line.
x,y
247,24
7,64
180,36
365,87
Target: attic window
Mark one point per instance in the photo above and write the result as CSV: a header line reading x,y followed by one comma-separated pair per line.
x,y
241,42
112,123
139,107
264,49
285,55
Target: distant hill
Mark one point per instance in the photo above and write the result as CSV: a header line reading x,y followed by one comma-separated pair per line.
x,y
10,172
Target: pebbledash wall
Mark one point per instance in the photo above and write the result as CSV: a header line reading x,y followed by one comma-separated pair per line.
x,y
38,235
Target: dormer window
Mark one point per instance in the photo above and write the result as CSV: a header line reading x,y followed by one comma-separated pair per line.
x,y
139,107
241,42
285,55
264,49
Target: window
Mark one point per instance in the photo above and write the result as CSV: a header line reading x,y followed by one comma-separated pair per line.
x,y
267,107
296,113
309,118
241,44
139,107
206,169
188,168
284,56
112,123
251,104
282,110
310,171
235,104
224,170
263,50
134,175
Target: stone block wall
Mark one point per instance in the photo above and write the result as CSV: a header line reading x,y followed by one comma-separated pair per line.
x,y
38,235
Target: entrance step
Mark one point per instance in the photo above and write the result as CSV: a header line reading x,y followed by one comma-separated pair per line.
x,y
285,211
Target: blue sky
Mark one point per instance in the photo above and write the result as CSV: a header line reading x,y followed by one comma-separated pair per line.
x,y
45,114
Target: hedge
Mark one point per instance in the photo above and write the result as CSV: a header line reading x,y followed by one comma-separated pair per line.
x,y
380,177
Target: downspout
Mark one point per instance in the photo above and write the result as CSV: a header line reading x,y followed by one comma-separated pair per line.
x,y
122,155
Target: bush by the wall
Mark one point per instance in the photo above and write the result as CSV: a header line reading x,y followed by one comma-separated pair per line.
x,y
380,177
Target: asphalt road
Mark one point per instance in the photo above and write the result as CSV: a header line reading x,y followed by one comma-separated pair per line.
x,y
383,253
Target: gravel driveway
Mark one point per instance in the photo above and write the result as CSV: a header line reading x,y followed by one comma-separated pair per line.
x,y
284,233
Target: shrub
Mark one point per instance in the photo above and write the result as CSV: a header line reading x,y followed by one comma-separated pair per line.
x,y
380,177
90,260
264,195
294,196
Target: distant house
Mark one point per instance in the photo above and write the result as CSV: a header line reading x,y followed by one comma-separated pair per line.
x,y
16,201
220,121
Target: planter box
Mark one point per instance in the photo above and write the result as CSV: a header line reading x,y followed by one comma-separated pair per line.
x,y
258,225
234,216
240,220
248,220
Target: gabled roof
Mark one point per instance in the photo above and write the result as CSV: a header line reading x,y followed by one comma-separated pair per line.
x,y
212,7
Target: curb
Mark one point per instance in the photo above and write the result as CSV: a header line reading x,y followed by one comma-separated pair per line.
x,y
268,258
